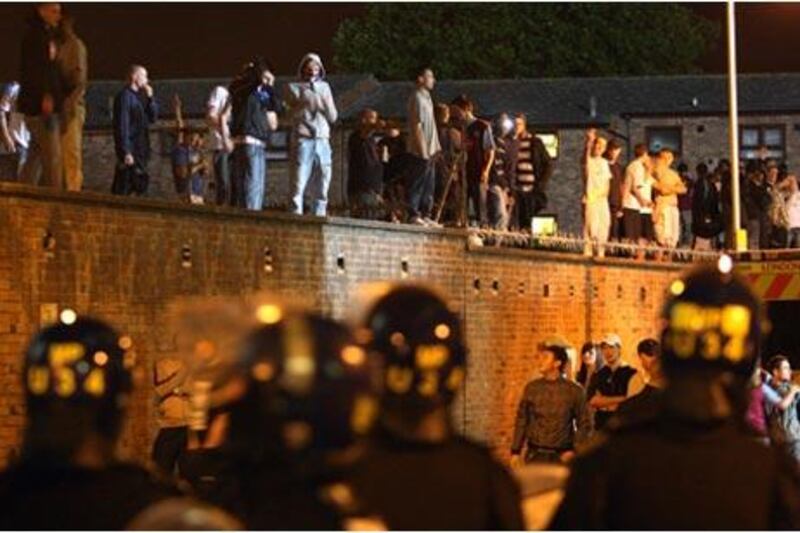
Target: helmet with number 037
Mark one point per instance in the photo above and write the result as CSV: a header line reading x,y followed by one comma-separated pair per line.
x,y
713,322
79,364
306,388
419,342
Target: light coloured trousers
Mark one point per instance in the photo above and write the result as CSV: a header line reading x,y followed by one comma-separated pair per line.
x,y
668,226
311,155
597,221
71,148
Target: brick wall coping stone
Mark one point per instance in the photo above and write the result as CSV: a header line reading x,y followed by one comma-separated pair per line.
x,y
155,205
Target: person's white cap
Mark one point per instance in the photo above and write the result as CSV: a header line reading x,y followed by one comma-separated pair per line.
x,y
611,339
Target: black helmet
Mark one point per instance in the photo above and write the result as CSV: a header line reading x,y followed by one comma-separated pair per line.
x,y
77,377
713,323
420,343
306,387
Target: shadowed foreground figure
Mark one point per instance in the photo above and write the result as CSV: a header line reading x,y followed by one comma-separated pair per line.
x,y
690,462
419,474
306,400
77,382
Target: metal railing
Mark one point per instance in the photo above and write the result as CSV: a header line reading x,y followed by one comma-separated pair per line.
x,y
571,244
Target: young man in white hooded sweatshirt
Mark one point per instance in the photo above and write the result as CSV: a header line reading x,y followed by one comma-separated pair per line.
x,y
313,111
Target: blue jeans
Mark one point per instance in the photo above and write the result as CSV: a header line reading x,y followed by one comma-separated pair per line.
x,y
249,175
310,155
420,186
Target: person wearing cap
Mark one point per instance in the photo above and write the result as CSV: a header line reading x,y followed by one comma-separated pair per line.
x,y
77,383
552,418
691,464
14,135
610,386
419,472
313,112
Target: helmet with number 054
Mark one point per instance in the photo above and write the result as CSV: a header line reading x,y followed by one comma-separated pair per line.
x,y
77,378
420,343
713,322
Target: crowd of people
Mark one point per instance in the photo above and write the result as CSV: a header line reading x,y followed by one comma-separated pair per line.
x,y
445,166
650,203
275,417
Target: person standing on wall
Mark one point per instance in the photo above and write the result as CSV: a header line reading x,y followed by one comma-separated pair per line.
x,y
423,147
42,96
218,117
597,180
313,112
255,114
73,62
14,135
135,110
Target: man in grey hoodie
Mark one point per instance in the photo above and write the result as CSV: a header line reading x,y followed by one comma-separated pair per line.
x,y
313,111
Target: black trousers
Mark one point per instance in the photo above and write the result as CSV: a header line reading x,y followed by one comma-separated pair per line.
x,y
167,448
222,177
525,206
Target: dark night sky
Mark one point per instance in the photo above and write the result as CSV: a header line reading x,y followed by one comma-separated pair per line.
x,y
181,40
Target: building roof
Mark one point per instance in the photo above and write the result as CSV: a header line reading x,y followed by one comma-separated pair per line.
x,y
547,102
570,101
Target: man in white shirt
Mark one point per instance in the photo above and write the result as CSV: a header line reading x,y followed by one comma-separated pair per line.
x,y
218,117
632,198
597,174
14,135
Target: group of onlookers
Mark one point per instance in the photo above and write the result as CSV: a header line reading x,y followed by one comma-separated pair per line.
x,y
647,202
455,167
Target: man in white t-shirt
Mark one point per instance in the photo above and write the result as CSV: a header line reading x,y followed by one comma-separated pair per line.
x,y
597,175
632,198
218,116
14,135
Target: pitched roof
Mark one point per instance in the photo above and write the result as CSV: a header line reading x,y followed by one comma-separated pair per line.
x,y
569,101
554,101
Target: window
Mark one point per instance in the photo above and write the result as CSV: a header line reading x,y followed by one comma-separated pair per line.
x,y
751,138
670,137
551,143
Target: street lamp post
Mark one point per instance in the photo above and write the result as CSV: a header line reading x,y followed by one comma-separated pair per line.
x,y
739,241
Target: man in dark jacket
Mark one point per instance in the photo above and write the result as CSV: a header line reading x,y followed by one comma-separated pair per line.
x,y
706,213
42,96
134,111
255,107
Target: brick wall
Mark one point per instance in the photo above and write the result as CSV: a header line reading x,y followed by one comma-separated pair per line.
x,y
121,259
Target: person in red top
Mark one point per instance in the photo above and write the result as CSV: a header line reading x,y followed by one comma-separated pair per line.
x,y
480,148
